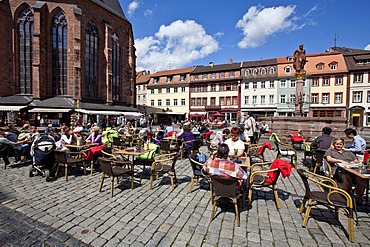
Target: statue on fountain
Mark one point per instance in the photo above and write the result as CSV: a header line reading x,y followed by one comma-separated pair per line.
x,y
299,61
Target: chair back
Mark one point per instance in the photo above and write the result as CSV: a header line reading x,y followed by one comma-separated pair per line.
x,y
305,182
195,165
117,142
107,153
174,159
319,156
60,156
106,166
224,187
196,144
165,145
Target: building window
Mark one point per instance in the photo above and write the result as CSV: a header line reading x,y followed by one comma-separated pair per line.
x,y
168,90
228,87
283,99
255,72
287,70
358,78
182,77
272,84
271,99
59,54
152,102
25,35
232,73
254,85
169,78
338,80
116,68
292,83
263,99
204,101
221,87
175,89
155,80
159,102
272,71
254,99
291,98
314,98
283,84
246,85
357,97
263,71
222,74
159,90
315,82
263,84
175,102
91,60
368,96
235,100
333,66
246,73
183,89
213,100
235,87
320,67
168,102
192,101
325,98
182,101
222,101
326,81
204,76
213,88
338,98
228,100
246,100
213,75
196,77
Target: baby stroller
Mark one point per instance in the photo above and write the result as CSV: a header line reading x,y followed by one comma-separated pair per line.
x,y
42,150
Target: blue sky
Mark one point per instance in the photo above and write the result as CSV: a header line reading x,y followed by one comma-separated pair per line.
x,y
172,34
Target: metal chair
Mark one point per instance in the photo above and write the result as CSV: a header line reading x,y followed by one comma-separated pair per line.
x,y
162,165
66,159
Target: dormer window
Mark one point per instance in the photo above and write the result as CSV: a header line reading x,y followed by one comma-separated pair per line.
x,y
169,78
182,77
246,73
333,66
320,67
290,59
155,80
263,71
272,71
255,72
288,70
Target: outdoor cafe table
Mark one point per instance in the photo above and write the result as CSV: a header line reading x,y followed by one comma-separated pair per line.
x,y
133,152
81,147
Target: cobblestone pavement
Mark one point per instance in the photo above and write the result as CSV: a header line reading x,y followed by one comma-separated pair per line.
x,y
59,213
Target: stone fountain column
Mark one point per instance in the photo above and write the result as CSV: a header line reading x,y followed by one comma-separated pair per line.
x,y
299,99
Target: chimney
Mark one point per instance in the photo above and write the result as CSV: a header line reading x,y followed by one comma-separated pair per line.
x,y
230,61
210,64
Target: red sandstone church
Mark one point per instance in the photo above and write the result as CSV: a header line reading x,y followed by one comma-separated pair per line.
x,y
60,57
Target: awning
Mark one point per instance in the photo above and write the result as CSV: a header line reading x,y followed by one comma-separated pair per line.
x,y
50,110
171,113
11,107
116,113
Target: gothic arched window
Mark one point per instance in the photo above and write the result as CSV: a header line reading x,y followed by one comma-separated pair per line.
x,y
116,65
91,60
59,54
25,34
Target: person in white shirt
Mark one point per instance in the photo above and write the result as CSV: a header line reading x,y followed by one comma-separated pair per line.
x,y
236,146
250,128
264,129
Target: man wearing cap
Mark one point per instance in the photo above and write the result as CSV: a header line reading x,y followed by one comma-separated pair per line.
x,y
7,147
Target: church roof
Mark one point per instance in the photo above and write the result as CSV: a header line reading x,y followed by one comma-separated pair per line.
x,y
112,6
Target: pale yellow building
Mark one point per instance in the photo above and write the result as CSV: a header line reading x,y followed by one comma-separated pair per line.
x,y
168,95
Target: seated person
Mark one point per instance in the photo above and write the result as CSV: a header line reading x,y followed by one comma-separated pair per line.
x,y
222,166
337,154
95,136
159,137
168,128
66,138
7,146
187,137
358,145
236,146
324,141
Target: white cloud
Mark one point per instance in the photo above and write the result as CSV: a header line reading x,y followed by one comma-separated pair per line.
x,y
259,23
132,7
148,13
367,47
174,46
